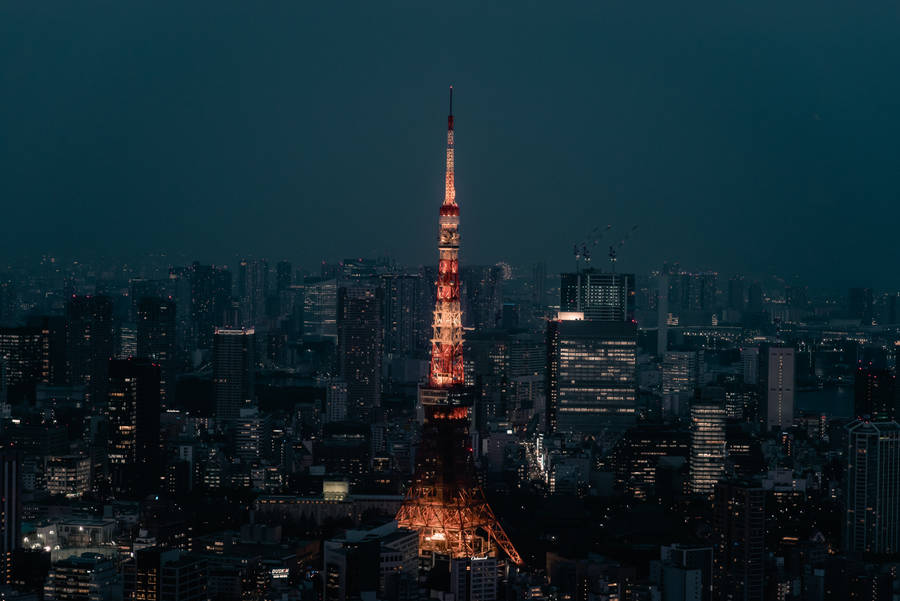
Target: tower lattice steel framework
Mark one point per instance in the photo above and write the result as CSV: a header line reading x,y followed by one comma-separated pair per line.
x,y
445,504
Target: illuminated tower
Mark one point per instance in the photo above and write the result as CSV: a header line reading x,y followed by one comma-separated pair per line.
x,y
445,504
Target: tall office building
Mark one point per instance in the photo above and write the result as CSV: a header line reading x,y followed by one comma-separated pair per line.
x,y
750,365
25,353
85,577
680,373
406,331
320,308
156,329
707,463
10,510
89,344
872,523
133,409
360,347
778,387
875,394
739,528
284,276
736,294
336,401
210,292
600,296
234,369
591,375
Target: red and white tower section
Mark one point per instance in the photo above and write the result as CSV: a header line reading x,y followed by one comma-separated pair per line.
x,y
445,503
446,345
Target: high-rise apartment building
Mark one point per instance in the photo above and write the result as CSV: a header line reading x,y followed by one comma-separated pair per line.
x,y
872,521
406,327
133,409
778,387
234,369
320,308
156,328
360,347
707,461
210,293
89,344
10,510
739,528
591,375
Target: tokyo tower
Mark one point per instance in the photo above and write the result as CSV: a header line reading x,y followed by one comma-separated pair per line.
x,y
445,503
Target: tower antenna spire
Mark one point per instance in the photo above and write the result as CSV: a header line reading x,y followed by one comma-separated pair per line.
x,y
450,116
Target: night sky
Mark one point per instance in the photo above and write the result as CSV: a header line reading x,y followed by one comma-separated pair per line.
x,y
740,136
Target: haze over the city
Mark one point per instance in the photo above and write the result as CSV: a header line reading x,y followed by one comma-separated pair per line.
x,y
743,137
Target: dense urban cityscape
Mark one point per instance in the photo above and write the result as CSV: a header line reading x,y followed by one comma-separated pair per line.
x,y
494,301
259,430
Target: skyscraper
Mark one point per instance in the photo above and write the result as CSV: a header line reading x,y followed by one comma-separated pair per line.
x,y
872,523
360,347
600,296
234,367
707,462
10,510
320,309
778,387
739,528
156,340
405,330
210,302
134,406
90,344
591,375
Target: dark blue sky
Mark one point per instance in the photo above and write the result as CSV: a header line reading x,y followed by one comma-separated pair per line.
x,y
742,136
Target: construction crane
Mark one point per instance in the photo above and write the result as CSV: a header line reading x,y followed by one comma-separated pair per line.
x,y
583,251
613,249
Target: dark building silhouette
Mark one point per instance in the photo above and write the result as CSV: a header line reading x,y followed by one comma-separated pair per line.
x,y
10,511
360,343
284,276
234,371
875,394
133,409
861,304
739,527
210,302
406,330
89,344
156,328
53,332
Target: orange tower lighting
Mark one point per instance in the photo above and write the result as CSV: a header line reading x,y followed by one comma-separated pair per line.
x,y
445,504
